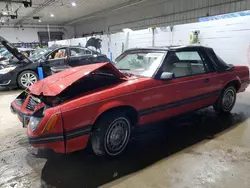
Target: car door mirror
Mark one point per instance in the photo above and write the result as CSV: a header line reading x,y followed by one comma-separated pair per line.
x,y
167,76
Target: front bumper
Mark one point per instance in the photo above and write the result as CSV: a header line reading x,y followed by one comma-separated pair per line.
x,y
7,80
23,117
55,142
244,85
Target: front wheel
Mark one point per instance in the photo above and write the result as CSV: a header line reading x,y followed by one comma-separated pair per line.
x,y
26,79
226,101
111,134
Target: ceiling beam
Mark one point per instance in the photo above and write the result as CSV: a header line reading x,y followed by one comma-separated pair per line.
x,y
36,10
102,12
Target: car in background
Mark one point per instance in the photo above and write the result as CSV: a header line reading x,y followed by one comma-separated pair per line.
x,y
101,103
7,57
24,71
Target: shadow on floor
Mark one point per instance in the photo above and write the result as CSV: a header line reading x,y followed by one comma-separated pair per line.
x,y
148,145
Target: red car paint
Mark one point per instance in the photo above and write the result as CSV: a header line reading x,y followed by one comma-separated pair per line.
x,y
56,83
153,99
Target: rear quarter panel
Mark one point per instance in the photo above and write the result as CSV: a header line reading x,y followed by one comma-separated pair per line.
x,y
238,73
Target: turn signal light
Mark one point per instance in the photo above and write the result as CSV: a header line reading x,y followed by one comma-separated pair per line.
x,y
51,123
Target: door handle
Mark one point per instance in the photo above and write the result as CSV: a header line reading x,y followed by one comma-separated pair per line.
x,y
206,80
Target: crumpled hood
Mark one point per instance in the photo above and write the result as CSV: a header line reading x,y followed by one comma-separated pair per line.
x,y
55,84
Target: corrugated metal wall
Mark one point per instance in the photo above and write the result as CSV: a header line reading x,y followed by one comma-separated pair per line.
x,y
161,13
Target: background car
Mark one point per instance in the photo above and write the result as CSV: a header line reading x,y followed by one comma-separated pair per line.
x,y
7,57
24,71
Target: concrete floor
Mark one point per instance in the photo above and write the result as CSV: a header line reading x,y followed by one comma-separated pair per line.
x,y
199,150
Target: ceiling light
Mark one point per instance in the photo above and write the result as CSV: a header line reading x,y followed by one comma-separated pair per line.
x,y
39,21
127,30
73,4
52,15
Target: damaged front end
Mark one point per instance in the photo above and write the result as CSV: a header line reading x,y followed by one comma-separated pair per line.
x,y
43,121
39,107
25,105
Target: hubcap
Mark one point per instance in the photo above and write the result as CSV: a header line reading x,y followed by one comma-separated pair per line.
x,y
228,99
117,136
28,79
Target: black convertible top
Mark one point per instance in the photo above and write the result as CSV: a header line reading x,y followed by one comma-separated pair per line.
x,y
172,48
217,62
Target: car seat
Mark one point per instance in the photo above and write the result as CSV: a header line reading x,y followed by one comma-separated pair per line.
x,y
182,69
174,65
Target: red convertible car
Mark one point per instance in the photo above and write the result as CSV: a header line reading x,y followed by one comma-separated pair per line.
x,y
101,103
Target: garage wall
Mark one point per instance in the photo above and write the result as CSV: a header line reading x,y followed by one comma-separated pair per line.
x,y
16,35
160,13
230,38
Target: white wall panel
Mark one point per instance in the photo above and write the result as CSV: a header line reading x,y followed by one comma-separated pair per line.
x,y
140,38
162,37
161,13
230,38
118,43
16,35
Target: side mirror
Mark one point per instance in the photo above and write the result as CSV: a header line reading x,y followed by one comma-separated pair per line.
x,y
167,76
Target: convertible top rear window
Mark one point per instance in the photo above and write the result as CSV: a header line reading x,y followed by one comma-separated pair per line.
x,y
219,63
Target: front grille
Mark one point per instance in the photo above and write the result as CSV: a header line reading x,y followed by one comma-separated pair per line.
x,y
31,105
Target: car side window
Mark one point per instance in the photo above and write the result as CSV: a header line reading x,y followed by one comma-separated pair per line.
x,y
88,52
58,54
184,63
77,52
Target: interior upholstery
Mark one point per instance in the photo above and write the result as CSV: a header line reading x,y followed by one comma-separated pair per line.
x,y
181,69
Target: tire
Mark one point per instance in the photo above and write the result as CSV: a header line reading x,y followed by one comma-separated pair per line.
x,y
226,101
26,79
111,134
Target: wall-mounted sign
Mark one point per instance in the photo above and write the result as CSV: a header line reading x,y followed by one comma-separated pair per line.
x,y
225,16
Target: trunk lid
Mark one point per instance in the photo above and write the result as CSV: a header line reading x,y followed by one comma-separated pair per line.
x,y
13,50
57,83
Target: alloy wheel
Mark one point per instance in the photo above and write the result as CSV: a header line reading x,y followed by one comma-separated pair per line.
x,y
28,79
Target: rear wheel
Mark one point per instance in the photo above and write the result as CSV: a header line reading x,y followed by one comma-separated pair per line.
x,y
111,134
226,101
27,78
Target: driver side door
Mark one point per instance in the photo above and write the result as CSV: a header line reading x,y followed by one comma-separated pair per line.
x,y
189,89
56,59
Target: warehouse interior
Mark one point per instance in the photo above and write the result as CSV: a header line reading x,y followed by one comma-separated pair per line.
x,y
49,51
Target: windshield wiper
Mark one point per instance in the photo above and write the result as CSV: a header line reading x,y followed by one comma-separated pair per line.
x,y
124,69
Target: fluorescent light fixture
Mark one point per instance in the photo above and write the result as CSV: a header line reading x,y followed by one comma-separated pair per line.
x,y
39,21
127,30
73,4
4,13
52,15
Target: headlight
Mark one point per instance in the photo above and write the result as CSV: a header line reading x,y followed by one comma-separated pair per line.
x,y
34,121
6,70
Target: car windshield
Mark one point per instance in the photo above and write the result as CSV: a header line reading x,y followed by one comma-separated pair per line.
x,y
40,53
140,63
5,53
